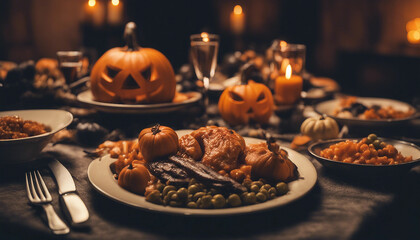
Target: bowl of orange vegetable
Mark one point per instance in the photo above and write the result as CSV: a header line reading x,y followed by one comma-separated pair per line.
x,y
370,155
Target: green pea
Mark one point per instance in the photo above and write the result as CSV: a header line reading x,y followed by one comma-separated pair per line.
x,y
272,190
261,197
234,200
264,191
167,189
250,198
198,195
372,137
192,205
160,186
218,201
247,183
174,197
376,143
243,195
154,197
255,188
282,188
206,201
382,145
192,182
182,194
272,195
258,183
266,186
192,189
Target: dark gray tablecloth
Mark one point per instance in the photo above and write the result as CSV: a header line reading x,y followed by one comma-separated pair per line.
x,y
338,207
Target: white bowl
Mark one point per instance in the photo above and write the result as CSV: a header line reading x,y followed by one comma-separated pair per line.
x,y
21,150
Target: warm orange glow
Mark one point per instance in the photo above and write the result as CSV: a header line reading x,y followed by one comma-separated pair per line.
x,y
413,37
288,72
413,31
92,3
115,2
237,10
283,44
413,24
205,36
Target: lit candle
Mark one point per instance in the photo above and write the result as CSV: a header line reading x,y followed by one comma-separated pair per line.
x,y
115,12
237,20
288,88
95,12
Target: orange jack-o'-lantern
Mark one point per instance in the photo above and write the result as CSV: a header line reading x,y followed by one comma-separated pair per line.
x,y
238,104
133,74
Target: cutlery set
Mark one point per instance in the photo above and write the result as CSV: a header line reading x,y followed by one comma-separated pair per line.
x,y
73,207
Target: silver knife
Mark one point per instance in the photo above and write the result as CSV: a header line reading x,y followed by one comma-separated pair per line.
x,y
74,208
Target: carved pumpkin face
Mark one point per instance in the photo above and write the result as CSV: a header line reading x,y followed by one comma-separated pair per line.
x,y
238,104
133,75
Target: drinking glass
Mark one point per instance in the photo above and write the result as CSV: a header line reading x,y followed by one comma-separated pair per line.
x,y
70,63
204,48
281,54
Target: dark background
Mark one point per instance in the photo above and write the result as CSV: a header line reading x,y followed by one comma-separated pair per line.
x,y
360,44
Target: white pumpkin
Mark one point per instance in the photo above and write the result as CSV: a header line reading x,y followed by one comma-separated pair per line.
x,y
322,127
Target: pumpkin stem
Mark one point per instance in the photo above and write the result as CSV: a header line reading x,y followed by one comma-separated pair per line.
x,y
271,143
322,117
130,166
130,36
155,129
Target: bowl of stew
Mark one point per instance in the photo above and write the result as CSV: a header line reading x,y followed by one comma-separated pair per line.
x,y
355,156
24,133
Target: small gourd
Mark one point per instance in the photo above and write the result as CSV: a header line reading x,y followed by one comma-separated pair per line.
x,y
157,141
134,178
320,128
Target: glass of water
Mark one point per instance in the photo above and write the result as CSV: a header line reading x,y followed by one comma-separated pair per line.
x,y
204,49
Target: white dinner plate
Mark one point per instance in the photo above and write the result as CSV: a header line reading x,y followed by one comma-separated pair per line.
x,y
101,177
328,107
87,98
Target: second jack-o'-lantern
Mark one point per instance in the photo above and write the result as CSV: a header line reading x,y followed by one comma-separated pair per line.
x,y
132,74
239,104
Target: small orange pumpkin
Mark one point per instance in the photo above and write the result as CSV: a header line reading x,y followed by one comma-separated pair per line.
x,y
157,141
134,178
238,104
133,74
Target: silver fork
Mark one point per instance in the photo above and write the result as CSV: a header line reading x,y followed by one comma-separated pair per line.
x,y
38,194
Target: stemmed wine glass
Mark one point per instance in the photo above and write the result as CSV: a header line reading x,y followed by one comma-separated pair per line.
x,y
204,48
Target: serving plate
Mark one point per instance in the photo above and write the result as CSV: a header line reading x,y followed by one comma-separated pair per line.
x,y
328,107
23,150
87,98
406,149
101,178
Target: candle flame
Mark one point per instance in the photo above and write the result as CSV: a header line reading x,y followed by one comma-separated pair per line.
x,y
283,44
92,3
205,36
115,2
237,10
288,72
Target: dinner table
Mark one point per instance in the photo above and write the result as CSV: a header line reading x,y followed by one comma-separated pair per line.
x,y
339,206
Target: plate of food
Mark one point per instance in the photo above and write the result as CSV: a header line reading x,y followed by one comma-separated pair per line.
x,y
361,111
369,156
180,101
237,176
